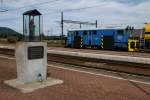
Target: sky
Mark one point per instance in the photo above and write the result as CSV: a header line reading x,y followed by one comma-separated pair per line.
x,y
109,13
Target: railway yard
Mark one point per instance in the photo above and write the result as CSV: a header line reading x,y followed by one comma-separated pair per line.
x,y
51,59
85,78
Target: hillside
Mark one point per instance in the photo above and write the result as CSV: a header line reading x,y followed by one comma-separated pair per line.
x,y
4,32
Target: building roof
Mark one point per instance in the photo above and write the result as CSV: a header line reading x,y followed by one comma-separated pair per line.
x,y
34,12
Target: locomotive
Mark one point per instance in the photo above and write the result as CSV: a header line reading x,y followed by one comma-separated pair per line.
x,y
147,36
108,39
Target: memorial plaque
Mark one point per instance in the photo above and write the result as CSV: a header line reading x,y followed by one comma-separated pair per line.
x,y
35,52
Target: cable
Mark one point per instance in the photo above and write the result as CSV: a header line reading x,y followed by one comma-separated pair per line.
x,y
1,8
36,4
82,8
76,9
66,10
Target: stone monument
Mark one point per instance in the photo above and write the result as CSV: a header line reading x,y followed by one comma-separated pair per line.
x,y
31,56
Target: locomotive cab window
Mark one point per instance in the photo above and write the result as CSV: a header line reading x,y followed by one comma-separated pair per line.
x,y
76,33
85,33
137,44
70,33
94,32
147,32
90,32
132,45
120,32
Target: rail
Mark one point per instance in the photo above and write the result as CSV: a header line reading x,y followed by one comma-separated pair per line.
x,y
108,65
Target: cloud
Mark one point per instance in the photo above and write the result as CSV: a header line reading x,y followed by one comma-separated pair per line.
x,y
128,2
107,12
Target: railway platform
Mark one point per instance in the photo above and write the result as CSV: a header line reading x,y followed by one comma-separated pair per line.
x,y
106,52
131,57
78,85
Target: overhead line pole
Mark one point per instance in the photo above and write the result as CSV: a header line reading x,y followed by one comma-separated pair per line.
x,y
96,24
74,22
62,27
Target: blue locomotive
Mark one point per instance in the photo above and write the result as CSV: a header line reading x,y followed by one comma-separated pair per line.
x,y
107,39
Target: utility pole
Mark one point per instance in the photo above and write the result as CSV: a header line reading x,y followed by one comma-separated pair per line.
x,y
80,25
62,27
1,7
73,22
96,23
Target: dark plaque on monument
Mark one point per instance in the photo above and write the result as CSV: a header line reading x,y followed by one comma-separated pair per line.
x,y
35,52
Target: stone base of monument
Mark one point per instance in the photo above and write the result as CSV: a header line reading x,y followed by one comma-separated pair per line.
x,y
30,87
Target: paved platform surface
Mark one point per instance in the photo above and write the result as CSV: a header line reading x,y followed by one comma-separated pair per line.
x,y
132,57
107,55
118,53
76,86
30,87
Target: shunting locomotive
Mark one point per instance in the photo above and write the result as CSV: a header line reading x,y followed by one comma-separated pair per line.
x,y
110,39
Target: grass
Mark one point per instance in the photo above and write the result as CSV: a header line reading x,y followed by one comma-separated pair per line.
x,y
50,43
55,43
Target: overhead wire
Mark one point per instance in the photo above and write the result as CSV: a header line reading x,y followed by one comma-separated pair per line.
x,y
36,4
49,12
1,7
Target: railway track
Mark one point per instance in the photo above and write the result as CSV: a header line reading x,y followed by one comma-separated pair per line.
x,y
8,52
120,67
114,66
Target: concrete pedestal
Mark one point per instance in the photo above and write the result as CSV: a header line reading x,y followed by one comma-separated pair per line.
x,y
31,60
30,87
29,69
